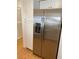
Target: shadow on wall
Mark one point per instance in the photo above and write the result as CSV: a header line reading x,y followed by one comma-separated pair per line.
x,y
19,23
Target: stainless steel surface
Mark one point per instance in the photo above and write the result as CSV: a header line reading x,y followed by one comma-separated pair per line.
x,y
37,22
52,28
49,27
46,36
37,35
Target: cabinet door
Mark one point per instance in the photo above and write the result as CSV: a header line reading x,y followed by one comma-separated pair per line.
x,y
57,4
50,4
46,4
36,5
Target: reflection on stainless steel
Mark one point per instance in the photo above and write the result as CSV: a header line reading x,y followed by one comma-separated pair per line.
x,y
46,29
50,25
52,28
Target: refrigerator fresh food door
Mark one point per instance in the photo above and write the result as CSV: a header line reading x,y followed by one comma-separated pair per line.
x,y
52,26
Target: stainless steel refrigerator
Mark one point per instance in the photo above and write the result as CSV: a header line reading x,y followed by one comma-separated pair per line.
x,y
46,35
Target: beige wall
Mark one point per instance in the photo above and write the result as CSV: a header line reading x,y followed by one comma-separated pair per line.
x,y
19,23
19,3
19,19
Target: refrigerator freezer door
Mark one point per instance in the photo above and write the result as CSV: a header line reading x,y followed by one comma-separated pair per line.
x,y
37,36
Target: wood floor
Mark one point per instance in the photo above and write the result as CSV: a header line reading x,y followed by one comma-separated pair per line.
x,y
23,53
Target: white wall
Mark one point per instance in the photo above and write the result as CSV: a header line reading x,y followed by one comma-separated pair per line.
x,y
60,50
27,23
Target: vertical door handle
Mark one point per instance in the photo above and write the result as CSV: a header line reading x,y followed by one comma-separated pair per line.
x,y
43,27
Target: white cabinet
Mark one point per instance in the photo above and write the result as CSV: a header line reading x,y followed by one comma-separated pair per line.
x,y
36,5
27,23
48,4
57,4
